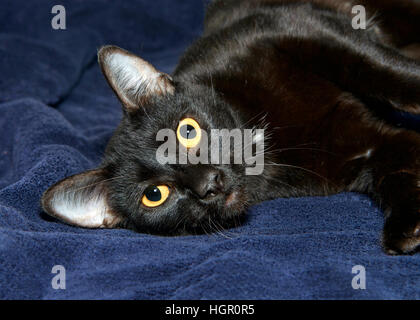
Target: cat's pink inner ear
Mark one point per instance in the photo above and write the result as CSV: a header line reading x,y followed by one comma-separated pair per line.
x,y
133,79
81,200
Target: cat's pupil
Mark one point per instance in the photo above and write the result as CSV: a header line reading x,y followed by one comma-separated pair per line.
x,y
188,131
152,193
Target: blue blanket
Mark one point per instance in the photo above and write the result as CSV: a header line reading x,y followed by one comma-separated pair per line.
x,y
56,116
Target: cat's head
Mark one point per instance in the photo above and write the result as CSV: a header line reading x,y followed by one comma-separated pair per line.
x,y
132,188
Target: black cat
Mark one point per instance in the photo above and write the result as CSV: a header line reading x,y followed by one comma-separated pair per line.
x,y
298,69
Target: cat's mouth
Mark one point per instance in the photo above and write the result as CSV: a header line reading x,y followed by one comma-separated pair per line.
x,y
231,199
234,203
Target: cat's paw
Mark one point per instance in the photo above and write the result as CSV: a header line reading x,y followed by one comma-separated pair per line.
x,y
401,235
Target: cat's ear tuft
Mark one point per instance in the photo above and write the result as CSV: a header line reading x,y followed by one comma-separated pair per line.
x,y
81,200
132,79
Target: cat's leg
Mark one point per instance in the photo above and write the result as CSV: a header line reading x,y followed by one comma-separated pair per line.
x,y
354,61
398,21
371,72
397,189
380,160
412,51
389,171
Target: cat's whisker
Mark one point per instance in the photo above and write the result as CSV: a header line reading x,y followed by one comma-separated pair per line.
x,y
212,90
181,220
270,151
250,120
277,151
310,149
145,112
228,232
219,229
203,227
212,227
288,185
300,168
285,127
223,231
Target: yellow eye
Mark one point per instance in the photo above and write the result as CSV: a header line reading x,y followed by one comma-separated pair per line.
x,y
154,196
189,133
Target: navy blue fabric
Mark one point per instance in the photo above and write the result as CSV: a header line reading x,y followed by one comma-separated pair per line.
x,y
56,116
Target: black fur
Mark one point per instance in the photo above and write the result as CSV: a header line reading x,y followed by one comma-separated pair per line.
x,y
320,88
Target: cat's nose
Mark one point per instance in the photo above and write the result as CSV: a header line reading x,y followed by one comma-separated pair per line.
x,y
206,183
210,185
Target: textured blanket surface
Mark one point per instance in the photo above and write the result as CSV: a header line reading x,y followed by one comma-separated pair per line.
x,y
56,116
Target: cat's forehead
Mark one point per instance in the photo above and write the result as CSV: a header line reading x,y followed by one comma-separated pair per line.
x,y
138,138
168,111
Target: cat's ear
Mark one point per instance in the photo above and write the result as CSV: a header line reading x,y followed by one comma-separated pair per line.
x,y
133,80
81,200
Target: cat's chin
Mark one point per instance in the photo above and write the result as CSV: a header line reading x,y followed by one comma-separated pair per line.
x,y
234,204
230,214
231,199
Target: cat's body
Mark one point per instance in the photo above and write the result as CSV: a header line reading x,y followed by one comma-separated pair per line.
x,y
297,68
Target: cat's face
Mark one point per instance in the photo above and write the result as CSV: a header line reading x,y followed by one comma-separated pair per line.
x,y
132,188
170,198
